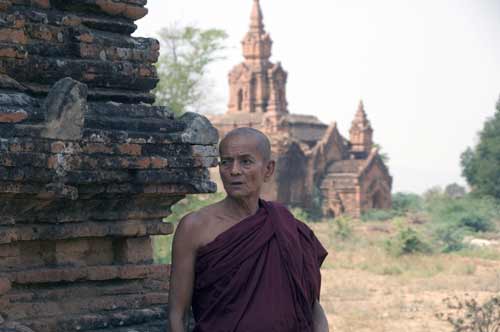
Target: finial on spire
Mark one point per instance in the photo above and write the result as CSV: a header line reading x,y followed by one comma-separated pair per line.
x,y
361,133
361,107
256,19
361,119
257,43
361,114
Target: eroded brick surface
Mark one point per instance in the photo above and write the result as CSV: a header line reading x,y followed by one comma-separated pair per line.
x,y
88,168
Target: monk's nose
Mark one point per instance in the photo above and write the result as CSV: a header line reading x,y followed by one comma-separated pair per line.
x,y
235,169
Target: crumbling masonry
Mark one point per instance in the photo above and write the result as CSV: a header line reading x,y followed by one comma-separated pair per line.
x,y
88,168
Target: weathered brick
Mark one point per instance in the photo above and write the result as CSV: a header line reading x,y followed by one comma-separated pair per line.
x,y
42,32
134,250
118,8
15,36
5,286
71,20
41,3
13,51
12,115
130,149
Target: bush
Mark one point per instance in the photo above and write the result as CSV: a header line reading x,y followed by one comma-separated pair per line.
x,y
378,215
450,238
407,241
472,214
403,203
470,316
342,227
455,190
453,218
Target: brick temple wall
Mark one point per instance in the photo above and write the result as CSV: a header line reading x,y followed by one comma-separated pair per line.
x,y
88,168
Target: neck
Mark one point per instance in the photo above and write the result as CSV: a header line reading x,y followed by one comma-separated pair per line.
x,y
242,207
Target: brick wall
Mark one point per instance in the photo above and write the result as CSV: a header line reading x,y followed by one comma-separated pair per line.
x,y
88,168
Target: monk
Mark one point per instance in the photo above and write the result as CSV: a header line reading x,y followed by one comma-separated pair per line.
x,y
244,264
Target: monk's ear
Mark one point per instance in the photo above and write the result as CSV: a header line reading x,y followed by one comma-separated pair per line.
x,y
270,167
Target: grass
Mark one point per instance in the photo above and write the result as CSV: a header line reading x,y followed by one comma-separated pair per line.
x,y
366,288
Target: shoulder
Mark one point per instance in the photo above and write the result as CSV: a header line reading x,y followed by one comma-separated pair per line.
x,y
196,219
193,224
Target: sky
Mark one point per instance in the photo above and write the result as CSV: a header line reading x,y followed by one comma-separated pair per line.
x,y
428,71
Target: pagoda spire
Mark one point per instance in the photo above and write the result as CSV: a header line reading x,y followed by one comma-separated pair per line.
x,y
361,133
257,85
361,119
257,43
257,19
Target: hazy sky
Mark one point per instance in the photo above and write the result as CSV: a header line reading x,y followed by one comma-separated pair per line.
x,y
427,70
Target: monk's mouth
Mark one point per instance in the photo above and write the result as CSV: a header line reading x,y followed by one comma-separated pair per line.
x,y
236,183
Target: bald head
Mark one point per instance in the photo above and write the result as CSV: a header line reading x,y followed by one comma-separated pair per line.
x,y
262,142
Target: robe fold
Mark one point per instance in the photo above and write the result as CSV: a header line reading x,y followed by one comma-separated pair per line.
x,y
261,275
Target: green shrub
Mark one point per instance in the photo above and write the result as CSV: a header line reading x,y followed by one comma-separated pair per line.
x,y
403,203
474,214
342,227
378,215
453,218
407,241
449,238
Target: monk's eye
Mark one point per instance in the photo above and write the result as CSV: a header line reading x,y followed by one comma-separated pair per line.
x,y
224,162
246,162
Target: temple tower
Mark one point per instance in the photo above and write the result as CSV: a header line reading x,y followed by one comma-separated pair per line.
x,y
361,134
257,85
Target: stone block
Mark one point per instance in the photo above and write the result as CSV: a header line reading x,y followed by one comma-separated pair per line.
x,y
13,51
15,36
45,33
121,8
5,286
9,115
100,252
66,105
134,250
72,251
8,251
198,130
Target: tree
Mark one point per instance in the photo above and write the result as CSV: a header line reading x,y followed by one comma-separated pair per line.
x,y
454,190
383,155
481,164
187,53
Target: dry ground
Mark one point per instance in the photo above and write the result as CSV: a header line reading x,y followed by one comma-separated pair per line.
x,y
365,289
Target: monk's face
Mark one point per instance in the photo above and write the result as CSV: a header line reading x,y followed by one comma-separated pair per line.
x,y
242,167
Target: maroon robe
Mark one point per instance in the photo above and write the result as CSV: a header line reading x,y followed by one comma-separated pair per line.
x,y
261,275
